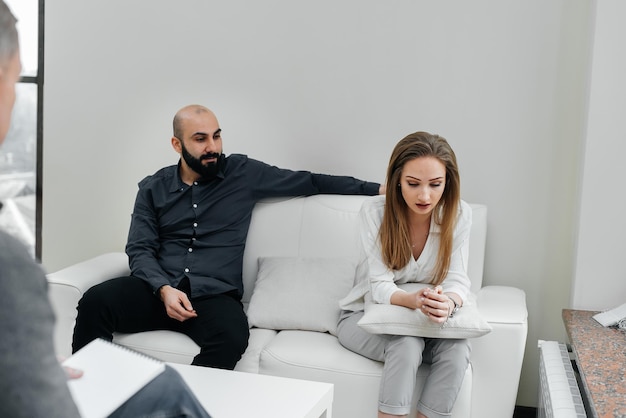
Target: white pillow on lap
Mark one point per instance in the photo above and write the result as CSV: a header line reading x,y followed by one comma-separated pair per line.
x,y
300,293
397,320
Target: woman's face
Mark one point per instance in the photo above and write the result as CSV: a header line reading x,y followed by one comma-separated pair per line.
x,y
422,183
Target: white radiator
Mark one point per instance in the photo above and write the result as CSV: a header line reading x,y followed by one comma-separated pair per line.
x,y
559,396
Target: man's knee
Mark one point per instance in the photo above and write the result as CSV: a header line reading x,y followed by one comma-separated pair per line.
x,y
92,299
241,338
97,310
111,293
102,291
234,338
223,348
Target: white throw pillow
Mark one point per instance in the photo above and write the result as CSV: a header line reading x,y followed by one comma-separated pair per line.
x,y
300,293
397,320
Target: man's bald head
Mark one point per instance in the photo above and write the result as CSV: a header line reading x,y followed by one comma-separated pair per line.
x,y
186,113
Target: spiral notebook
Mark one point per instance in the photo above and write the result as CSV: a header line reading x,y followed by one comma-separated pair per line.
x,y
111,375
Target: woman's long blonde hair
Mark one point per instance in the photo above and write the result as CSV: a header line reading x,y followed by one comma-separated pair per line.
x,y
394,231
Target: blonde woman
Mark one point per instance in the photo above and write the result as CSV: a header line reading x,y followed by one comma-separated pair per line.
x,y
417,232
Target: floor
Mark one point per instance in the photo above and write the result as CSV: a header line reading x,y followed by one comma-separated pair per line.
x,y
524,412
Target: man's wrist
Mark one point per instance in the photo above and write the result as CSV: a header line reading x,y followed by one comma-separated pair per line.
x,y
159,290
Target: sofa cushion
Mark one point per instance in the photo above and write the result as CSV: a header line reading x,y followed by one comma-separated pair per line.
x,y
164,345
382,318
300,293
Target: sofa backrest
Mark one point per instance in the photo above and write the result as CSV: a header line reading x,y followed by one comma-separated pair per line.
x,y
327,226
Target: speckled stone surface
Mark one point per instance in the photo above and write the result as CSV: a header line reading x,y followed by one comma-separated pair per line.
x,y
601,357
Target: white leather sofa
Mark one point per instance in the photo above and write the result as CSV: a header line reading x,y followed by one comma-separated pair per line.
x,y
326,226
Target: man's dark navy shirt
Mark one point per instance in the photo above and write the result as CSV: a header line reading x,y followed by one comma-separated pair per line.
x,y
199,231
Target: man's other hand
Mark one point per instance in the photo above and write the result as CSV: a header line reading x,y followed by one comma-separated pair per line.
x,y
177,304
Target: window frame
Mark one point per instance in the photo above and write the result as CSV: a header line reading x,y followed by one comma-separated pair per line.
x,y
38,79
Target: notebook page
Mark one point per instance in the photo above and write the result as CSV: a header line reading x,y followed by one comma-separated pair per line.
x,y
111,375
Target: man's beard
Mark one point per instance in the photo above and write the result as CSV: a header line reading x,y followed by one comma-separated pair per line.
x,y
208,171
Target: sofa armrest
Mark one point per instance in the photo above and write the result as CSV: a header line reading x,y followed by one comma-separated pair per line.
x,y
497,357
66,287
502,304
88,273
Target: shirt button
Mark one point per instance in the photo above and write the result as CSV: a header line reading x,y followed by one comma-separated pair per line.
x,y
195,183
190,250
195,224
186,270
195,205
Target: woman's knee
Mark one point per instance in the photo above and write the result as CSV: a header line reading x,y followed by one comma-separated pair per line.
x,y
452,349
346,332
462,347
408,344
405,349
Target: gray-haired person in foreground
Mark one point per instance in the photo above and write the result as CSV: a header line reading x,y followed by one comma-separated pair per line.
x,y
32,382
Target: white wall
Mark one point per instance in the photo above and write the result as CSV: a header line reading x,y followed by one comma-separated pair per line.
x,y
600,281
330,87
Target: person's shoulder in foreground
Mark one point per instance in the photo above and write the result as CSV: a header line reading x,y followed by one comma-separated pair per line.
x,y
32,383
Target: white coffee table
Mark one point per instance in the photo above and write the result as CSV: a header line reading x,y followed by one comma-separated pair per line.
x,y
230,394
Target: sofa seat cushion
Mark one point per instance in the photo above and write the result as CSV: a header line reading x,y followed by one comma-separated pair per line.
x,y
315,350
178,348
164,345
